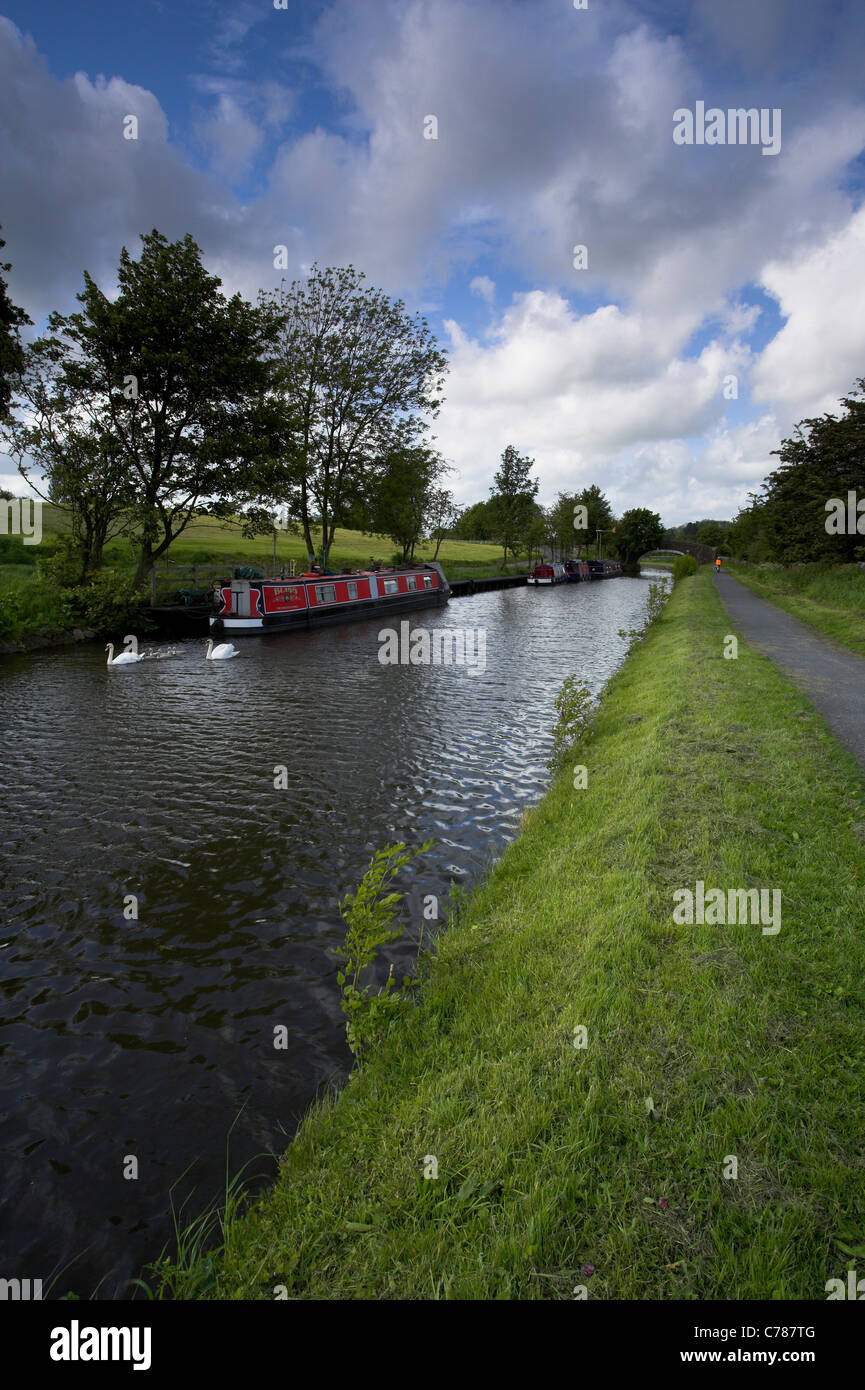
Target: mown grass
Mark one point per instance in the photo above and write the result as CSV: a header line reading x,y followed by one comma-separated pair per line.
x,y
207,538
748,1044
830,598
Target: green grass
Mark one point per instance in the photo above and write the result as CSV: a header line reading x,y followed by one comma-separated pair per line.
x,y
748,1045
830,598
28,603
208,539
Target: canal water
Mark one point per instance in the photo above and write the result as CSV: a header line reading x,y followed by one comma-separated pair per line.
x,y
152,1038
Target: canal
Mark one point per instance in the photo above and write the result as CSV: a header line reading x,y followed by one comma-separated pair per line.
x,y
151,1037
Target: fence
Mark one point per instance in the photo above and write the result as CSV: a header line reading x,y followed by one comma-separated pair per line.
x,y
167,582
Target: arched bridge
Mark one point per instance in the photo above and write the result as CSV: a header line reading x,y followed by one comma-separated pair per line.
x,y
672,545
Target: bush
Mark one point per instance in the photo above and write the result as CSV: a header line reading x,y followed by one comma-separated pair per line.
x,y
683,565
13,551
109,604
574,705
369,915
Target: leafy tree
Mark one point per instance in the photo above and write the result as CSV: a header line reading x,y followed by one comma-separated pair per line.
x,y
354,369
403,495
75,468
12,320
441,516
711,533
824,459
599,516
513,496
476,523
170,380
562,533
637,531
540,534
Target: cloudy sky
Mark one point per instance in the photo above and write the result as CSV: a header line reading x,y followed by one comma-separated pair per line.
x,y
308,126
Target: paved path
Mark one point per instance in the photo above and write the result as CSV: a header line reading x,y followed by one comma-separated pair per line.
x,y
834,679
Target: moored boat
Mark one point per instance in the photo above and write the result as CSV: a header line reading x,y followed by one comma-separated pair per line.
x,y
317,599
577,570
604,569
554,573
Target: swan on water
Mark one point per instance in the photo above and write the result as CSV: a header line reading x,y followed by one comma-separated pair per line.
x,y
124,659
222,652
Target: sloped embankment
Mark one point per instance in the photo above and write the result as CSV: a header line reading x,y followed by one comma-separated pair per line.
x,y
552,1172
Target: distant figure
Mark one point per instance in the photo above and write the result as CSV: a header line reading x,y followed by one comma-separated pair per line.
x,y
717,564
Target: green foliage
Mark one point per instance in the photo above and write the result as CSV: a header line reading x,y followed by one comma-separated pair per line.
x,y
369,914
786,522
30,606
658,595
477,523
140,405
683,565
712,533
574,706
638,531
13,551
357,373
12,319
109,603
401,496
512,499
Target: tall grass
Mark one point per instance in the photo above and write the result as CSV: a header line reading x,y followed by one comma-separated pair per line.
x,y
830,598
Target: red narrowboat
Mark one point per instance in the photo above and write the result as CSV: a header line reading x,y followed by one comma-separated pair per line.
x,y
554,573
316,599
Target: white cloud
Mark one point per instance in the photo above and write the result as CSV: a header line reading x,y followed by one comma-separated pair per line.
x,y
485,287
820,351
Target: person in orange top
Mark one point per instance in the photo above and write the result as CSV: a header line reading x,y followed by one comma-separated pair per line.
x,y
717,564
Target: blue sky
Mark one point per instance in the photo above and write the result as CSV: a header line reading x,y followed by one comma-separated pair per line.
x,y
305,127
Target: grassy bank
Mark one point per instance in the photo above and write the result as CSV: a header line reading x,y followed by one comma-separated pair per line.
x,y
31,601
748,1044
828,598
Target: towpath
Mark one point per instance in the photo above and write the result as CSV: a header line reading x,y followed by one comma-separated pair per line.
x,y
832,678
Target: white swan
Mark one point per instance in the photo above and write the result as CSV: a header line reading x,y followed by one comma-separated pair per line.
x,y
124,659
222,652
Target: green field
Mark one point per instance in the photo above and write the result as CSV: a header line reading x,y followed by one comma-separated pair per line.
x,y
603,1167
830,598
206,539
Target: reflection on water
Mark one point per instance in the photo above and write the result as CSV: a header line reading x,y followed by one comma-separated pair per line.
x,y
147,1036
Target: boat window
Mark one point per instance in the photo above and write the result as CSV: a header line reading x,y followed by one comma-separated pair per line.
x,y
325,593
411,581
427,581
352,589
391,586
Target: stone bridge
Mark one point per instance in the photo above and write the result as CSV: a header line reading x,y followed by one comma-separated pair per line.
x,y
703,554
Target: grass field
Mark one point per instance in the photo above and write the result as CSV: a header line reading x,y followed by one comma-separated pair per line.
x,y
828,598
206,539
606,1167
